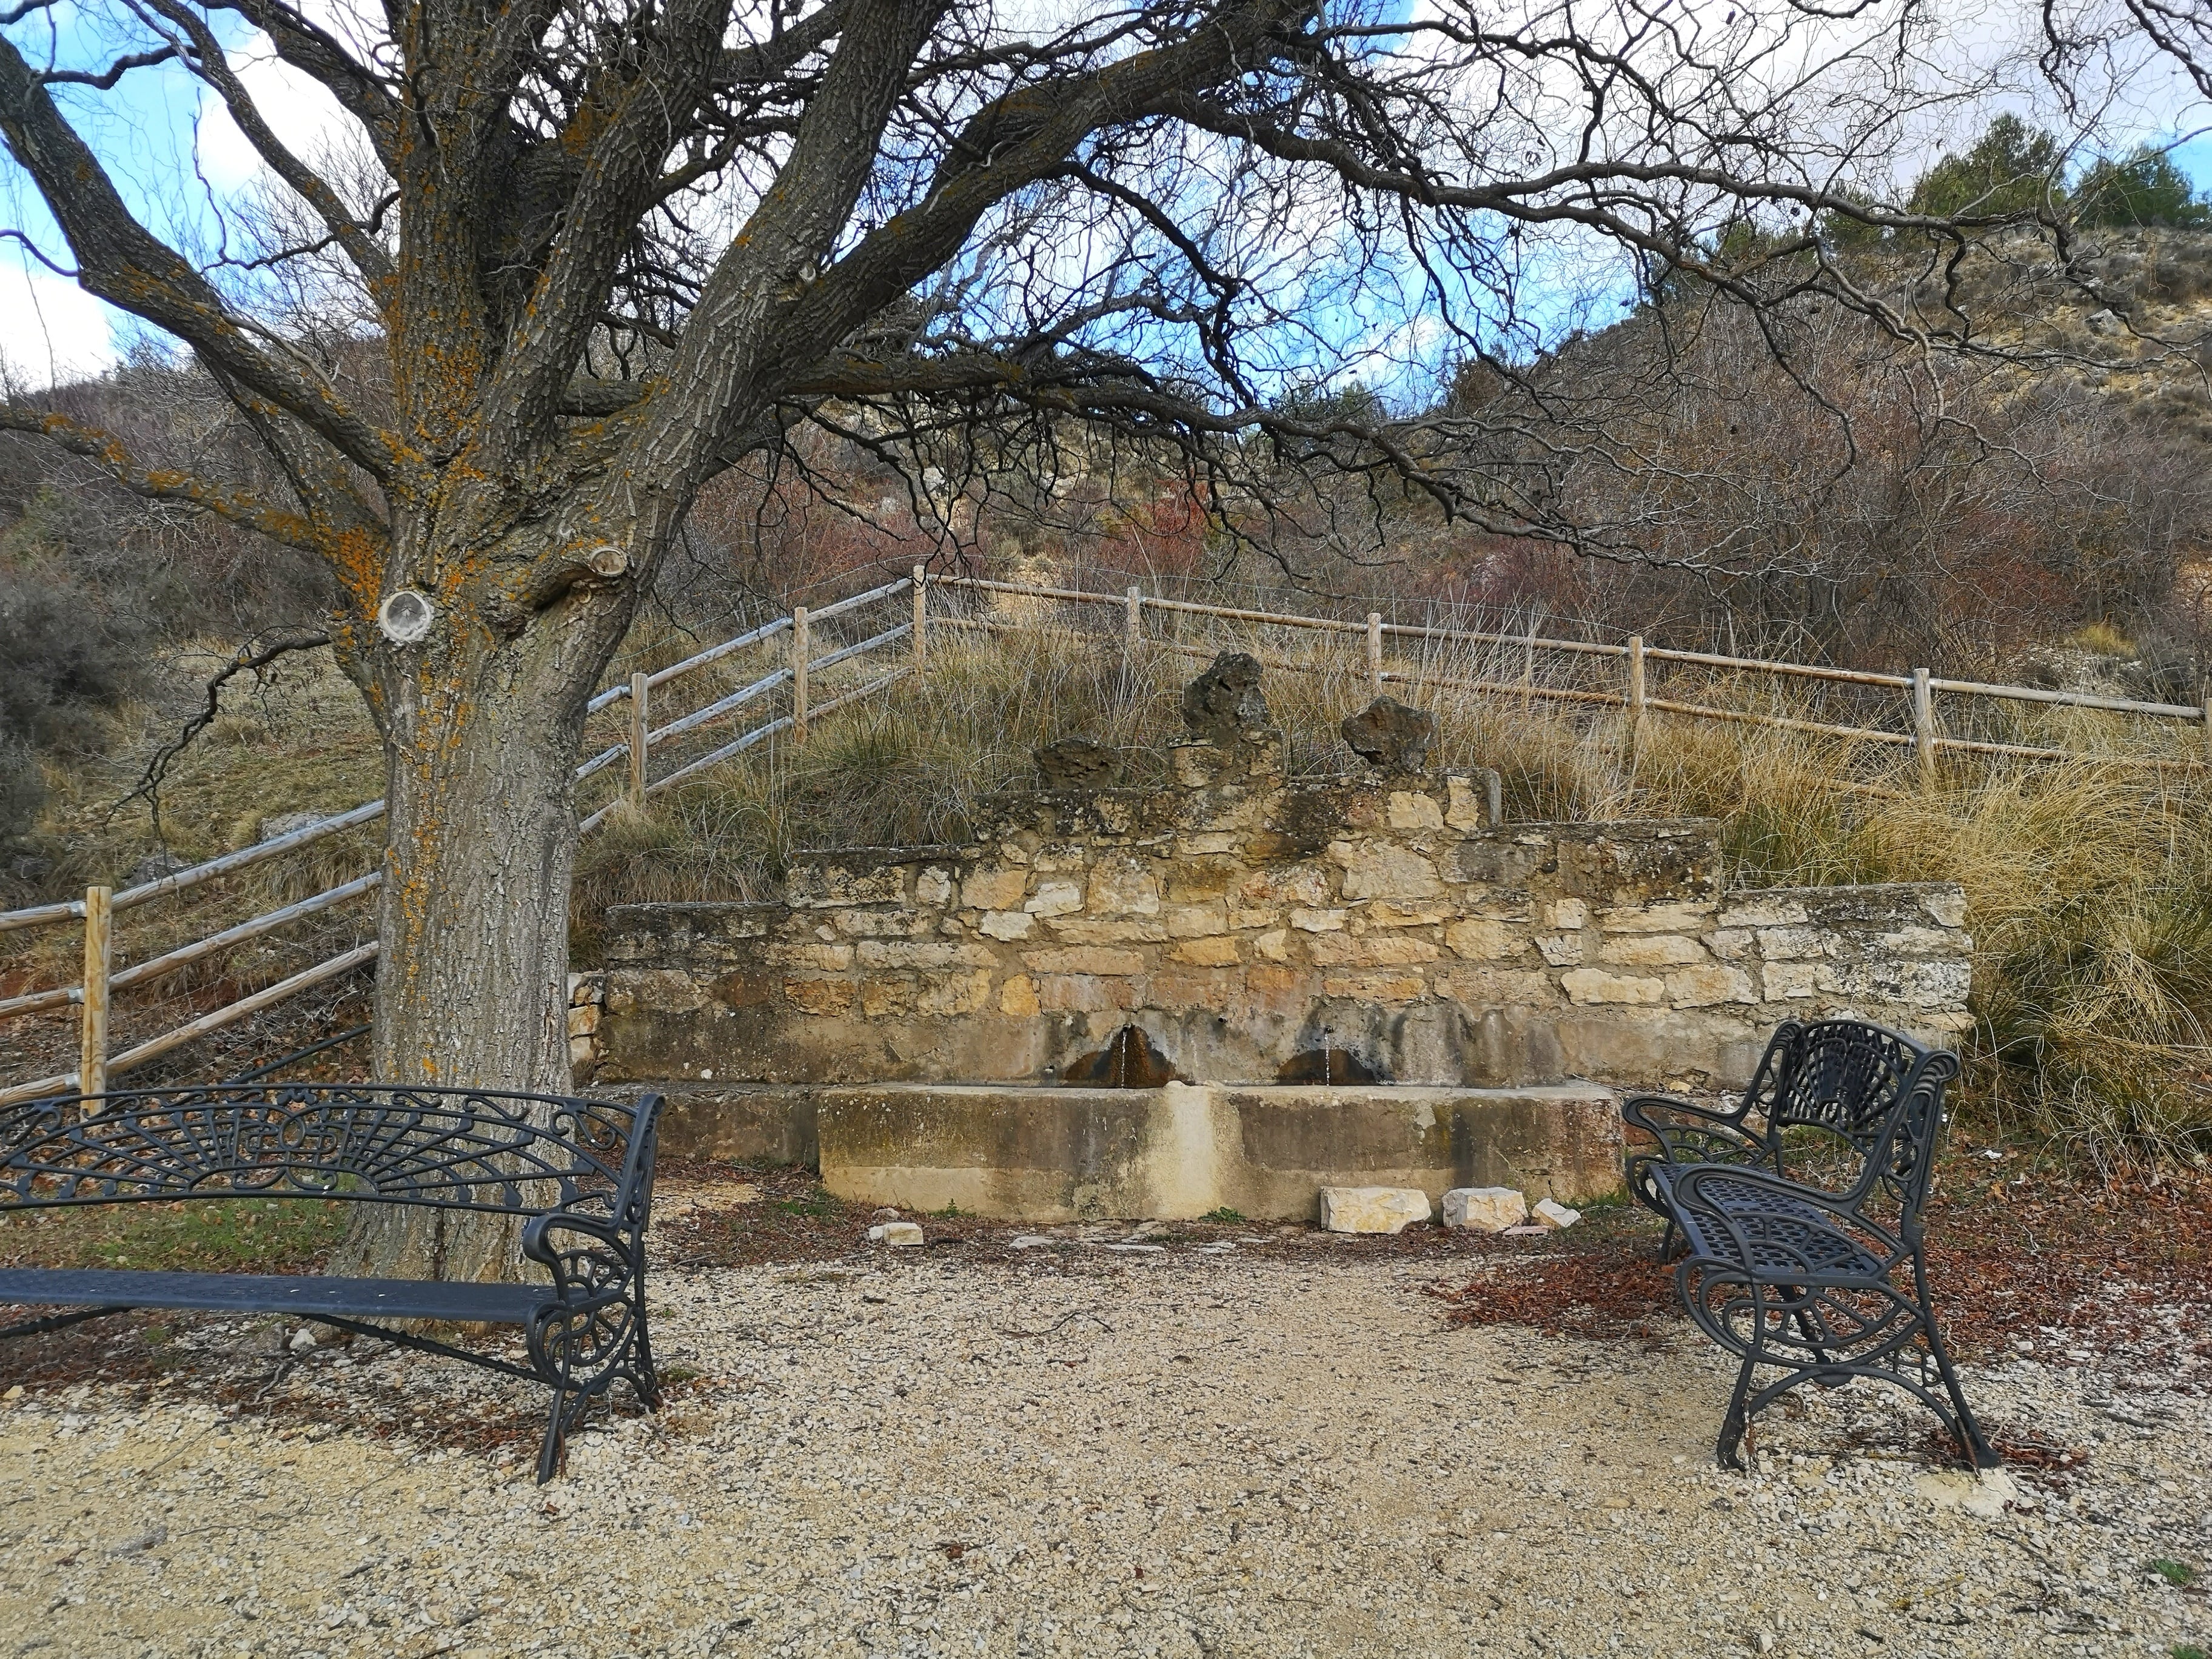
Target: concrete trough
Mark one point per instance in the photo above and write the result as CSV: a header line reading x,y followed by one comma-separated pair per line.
x,y
1030,1153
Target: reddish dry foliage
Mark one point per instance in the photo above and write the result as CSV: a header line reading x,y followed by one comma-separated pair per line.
x,y
2067,1268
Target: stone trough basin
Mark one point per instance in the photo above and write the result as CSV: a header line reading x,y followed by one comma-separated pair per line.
x,y
1174,1153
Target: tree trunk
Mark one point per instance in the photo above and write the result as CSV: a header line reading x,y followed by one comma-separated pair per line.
x,y
481,739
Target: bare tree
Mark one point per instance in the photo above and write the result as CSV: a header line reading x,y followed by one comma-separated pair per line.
x,y
586,255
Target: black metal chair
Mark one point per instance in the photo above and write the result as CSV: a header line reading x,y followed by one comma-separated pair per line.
x,y
580,1172
1828,1284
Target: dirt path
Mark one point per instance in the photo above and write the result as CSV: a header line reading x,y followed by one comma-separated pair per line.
x,y
1065,1450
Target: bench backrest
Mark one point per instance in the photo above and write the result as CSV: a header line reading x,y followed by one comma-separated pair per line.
x,y
458,1149
1878,1092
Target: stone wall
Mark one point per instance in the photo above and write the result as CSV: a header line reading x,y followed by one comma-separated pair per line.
x,y
1260,930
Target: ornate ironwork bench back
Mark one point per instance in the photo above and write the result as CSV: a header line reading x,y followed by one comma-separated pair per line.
x,y
447,1148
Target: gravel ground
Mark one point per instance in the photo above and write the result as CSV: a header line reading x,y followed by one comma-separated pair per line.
x,y
1069,1449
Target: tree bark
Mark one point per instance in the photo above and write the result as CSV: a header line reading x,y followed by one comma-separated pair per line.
x,y
481,740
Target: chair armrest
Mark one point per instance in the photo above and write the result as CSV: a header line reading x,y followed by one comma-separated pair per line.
x,y
1691,1134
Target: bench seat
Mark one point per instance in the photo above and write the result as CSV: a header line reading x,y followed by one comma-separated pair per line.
x,y
303,1296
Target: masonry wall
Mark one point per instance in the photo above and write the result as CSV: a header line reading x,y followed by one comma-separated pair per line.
x,y
1248,925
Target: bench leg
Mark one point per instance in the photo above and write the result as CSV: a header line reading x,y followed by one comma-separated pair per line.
x,y
558,1421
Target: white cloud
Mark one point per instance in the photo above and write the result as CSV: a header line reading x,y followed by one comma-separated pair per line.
x,y
50,330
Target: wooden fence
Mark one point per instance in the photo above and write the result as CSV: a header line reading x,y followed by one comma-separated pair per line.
x,y
1916,693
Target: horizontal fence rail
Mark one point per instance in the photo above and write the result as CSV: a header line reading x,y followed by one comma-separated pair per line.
x,y
91,998
793,684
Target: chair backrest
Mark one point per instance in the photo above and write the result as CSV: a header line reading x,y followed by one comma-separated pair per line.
x,y
458,1149
1877,1091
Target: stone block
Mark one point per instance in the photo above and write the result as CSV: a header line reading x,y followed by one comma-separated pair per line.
x,y
1007,924
1081,930
819,997
1055,898
1084,959
1219,951
1486,1209
1784,981
1204,843
1708,984
1729,944
1467,805
1651,951
1948,907
1396,950
933,886
1791,944
902,1234
1550,1213
1762,910
905,953
1275,945
993,887
1380,915
1195,921
1122,886
1478,939
1568,913
1409,809
1374,988
955,993
1381,870
1588,985
891,993
1083,994
1479,990
1334,950
1688,918
583,1021
1018,997
1561,950
1372,1209
1317,922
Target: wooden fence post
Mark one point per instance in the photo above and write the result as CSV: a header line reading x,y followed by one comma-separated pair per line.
x,y
1923,724
1133,626
640,731
1634,690
2207,722
801,648
1375,651
921,621
92,1027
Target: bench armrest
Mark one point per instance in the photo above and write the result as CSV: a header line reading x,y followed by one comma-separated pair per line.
x,y
598,1283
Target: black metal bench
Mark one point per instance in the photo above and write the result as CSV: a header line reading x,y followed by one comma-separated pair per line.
x,y
580,1172
1824,1282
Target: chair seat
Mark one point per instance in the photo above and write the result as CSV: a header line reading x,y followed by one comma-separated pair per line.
x,y
350,1299
1774,1238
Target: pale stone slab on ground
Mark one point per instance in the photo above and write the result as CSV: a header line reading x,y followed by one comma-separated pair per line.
x,y
1486,1209
895,1232
1372,1209
1552,1213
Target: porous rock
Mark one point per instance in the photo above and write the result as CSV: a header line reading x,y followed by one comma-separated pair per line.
x,y
1224,704
1486,1209
1390,736
1372,1209
1077,763
1552,1213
